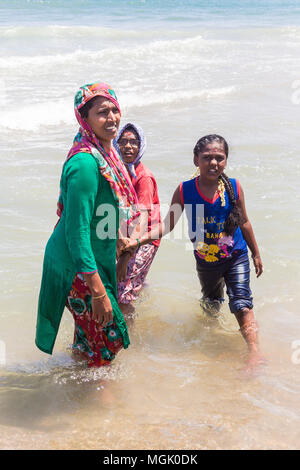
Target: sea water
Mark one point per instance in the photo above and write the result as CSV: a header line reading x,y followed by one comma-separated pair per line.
x,y
181,69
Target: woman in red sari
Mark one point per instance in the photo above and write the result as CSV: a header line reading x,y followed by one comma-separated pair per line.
x,y
132,272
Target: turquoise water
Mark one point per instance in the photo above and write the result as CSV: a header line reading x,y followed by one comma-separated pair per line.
x,y
180,70
144,13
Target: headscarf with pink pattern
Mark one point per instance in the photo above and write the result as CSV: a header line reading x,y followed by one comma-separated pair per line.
x,y
110,165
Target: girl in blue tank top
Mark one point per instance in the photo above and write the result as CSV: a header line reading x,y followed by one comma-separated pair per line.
x,y
206,229
221,234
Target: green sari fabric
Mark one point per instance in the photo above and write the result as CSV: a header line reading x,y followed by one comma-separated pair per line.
x,y
74,246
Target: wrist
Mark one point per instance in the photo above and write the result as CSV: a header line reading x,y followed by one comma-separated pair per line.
x,y
100,297
97,291
144,240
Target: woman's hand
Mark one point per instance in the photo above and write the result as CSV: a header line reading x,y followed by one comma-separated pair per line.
x,y
258,265
122,266
102,312
131,246
122,245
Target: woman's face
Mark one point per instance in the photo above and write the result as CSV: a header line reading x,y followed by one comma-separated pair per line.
x,y
129,146
211,161
104,119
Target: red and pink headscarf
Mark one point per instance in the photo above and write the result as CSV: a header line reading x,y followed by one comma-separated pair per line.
x,y
110,165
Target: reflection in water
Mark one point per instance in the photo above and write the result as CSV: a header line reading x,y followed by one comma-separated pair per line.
x,y
178,386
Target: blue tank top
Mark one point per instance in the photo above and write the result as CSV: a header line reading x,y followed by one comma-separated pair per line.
x,y
206,219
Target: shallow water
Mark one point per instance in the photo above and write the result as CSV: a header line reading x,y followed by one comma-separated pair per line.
x,y
180,74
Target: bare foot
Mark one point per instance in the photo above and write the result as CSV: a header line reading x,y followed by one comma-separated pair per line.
x,y
107,397
254,361
128,311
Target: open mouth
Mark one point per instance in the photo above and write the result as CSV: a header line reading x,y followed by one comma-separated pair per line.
x,y
111,128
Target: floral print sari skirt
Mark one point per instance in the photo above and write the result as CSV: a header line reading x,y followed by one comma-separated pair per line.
x,y
98,346
137,270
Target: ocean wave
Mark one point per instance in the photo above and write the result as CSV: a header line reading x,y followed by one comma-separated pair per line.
x,y
291,32
62,31
177,96
32,117
87,31
194,49
20,62
160,49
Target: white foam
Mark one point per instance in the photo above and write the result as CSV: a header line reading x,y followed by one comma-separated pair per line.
x,y
19,62
31,117
64,31
58,360
51,113
159,49
166,98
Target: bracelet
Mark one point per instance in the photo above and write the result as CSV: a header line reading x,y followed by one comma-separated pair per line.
x,y
138,243
99,296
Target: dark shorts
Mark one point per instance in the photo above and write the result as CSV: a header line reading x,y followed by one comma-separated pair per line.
x,y
235,274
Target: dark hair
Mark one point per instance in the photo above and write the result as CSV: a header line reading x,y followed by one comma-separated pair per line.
x,y
234,218
130,128
84,111
208,139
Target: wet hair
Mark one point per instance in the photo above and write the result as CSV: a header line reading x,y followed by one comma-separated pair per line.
x,y
208,139
234,218
84,111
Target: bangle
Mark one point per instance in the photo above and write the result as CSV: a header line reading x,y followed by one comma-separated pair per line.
x,y
99,296
138,243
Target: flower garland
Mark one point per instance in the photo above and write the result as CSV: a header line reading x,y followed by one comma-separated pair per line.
x,y
221,191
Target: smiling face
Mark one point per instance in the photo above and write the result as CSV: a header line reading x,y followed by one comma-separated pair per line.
x,y
129,145
104,119
211,161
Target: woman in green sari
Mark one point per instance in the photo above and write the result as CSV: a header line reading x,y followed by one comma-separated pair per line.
x,y
79,269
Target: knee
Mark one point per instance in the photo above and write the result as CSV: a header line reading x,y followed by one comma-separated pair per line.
x,y
241,306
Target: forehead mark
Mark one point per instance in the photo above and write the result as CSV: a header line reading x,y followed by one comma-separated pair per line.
x,y
129,133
